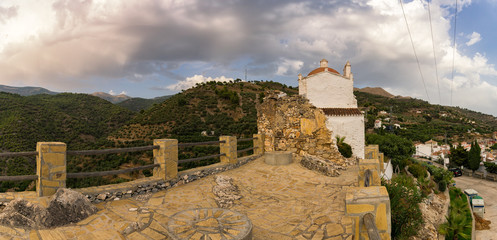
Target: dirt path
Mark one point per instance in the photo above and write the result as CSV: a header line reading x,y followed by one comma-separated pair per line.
x,y
488,190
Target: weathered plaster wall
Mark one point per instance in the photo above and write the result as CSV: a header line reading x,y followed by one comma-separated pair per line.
x,y
352,127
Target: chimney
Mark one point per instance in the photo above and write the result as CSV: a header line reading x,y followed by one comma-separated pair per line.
x,y
300,76
346,71
323,63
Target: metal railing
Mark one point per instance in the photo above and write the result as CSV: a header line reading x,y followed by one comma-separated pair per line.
x,y
114,151
369,222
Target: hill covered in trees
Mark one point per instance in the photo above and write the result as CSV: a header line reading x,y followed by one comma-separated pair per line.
x,y
138,104
80,120
208,109
422,121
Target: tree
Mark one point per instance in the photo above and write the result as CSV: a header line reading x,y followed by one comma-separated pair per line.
x,y
458,156
474,158
397,148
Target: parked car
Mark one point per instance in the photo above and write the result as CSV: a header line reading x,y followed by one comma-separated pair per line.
x,y
457,171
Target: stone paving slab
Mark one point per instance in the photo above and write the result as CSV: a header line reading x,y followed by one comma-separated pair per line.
x,y
282,202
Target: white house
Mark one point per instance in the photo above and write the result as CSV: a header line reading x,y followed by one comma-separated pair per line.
x,y
377,123
331,91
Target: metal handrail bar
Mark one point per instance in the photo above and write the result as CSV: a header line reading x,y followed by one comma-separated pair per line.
x,y
18,154
370,224
245,150
200,143
112,172
18,178
245,139
112,150
200,158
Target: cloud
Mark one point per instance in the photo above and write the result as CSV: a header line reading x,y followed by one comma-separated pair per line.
x,y
68,44
8,12
287,66
473,38
192,81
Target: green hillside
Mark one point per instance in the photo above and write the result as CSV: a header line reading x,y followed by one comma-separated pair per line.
x,y
213,107
80,120
422,121
138,104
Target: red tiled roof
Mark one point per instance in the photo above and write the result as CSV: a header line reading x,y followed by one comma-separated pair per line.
x,y
341,111
322,69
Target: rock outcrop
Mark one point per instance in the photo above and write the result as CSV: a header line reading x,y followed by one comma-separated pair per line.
x,y
66,206
21,213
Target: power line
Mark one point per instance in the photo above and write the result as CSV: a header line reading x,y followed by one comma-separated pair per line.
x,y
415,54
434,55
453,54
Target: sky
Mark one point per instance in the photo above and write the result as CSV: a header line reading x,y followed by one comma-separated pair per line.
x,y
146,48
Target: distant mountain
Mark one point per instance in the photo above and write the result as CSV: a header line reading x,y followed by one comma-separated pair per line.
x,y
138,104
376,91
111,98
25,91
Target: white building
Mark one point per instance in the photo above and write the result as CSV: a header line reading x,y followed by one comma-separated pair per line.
x,y
333,92
377,124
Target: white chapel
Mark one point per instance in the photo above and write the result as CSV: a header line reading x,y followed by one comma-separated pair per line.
x,y
333,92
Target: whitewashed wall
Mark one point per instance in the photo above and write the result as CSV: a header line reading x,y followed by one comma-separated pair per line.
x,y
352,127
328,90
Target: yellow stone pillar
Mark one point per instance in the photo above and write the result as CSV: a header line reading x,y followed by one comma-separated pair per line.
x,y
229,148
258,144
50,167
374,172
374,200
167,157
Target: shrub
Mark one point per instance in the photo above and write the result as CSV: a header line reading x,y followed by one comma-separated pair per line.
x,y
404,202
442,185
490,167
344,148
459,221
417,170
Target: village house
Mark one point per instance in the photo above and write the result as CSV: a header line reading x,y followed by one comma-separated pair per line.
x,y
332,92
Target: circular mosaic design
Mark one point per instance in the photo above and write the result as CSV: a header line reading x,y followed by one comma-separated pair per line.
x,y
209,224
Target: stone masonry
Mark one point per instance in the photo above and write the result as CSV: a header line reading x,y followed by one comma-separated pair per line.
x,y
50,167
291,123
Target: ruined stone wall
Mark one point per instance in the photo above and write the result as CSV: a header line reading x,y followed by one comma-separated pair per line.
x,y
291,123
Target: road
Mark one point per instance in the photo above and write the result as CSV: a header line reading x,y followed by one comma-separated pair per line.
x,y
488,190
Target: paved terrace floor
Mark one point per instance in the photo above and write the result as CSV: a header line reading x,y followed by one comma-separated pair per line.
x,y
283,202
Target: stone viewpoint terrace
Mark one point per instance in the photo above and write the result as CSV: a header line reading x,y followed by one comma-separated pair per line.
x,y
282,202
240,196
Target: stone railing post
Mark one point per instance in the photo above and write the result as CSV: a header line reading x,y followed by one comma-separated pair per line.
x,y
50,167
167,157
229,148
258,144
369,171
360,201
